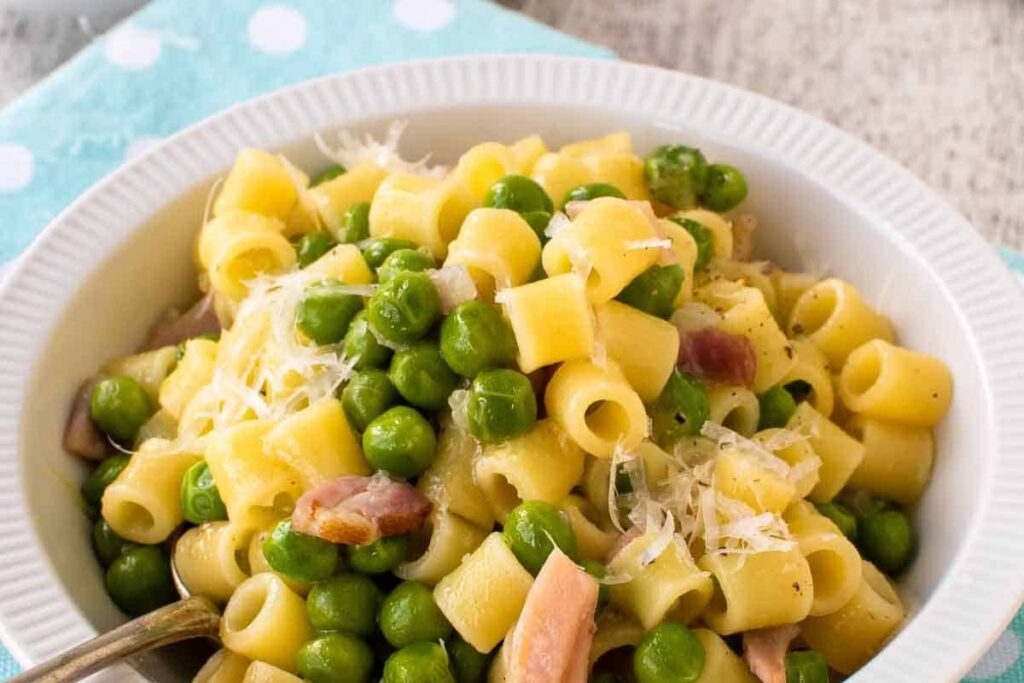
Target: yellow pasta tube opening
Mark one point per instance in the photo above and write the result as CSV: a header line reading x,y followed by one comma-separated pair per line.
x,y
811,367
721,664
834,561
211,560
852,635
424,210
483,597
892,383
788,288
756,591
318,443
839,452
669,588
614,630
336,196
540,465
755,274
498,247
600,245
439,547
835,318
736,408
551,320
237,246
142,504
592,542
596,407
266,620
224,666
897,458
646,366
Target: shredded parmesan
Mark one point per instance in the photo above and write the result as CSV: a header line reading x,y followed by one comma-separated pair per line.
x,y
644,245
458,402
454,285
353,151
559,222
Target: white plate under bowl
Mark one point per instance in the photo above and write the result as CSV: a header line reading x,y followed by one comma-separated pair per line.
x,y
93,282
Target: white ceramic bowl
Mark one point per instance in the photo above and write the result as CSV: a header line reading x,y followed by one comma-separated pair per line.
x,y
93,282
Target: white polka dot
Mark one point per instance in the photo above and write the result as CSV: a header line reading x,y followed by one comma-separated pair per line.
x,y
134,48
999,659
424,15
17,166
277,30
140,146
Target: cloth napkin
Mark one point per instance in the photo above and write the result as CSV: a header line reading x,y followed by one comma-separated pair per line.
x,y
176,61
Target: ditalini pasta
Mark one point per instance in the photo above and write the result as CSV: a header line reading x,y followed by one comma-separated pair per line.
x,y
511,421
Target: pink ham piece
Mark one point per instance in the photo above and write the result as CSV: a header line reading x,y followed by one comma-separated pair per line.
x,y
718,356
765,651
200,319
551,641
359,510
81,435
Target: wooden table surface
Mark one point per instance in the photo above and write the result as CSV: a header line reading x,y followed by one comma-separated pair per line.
x,y
936,84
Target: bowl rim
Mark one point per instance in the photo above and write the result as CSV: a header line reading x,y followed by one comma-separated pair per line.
x,y
37,617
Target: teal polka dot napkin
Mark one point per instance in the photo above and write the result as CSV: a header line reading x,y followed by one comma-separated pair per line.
x,y
177,61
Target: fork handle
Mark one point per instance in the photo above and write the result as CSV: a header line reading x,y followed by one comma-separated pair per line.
x,y
193,617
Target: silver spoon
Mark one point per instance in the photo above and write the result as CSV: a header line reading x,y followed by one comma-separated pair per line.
x,y
191,617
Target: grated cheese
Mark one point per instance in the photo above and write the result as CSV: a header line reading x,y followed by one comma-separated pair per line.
x,y
353,151
644,245
559,222
454,284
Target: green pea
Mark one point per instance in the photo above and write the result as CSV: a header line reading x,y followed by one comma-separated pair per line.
x,y
841,516
886,539
468,665
583,193
702,236
344,602
378,557
329,173
655,290
119,407
400,441
680,410
326,310
422,377
200,499
102,477
518,193
475,337
409,615
404,308
312,246
366,396
377,251
725,187
404,260
533,529
777,406
418,663
335,658
538,222
863,504
355,225
106,543
598,571
361,344
676,175
298,556
669,652
502,405
806,666
139,580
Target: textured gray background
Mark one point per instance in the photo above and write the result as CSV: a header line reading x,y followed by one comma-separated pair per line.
x,y
936,84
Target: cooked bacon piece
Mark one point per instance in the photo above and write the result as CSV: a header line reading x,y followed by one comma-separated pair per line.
x,y
359,510
765,651
551,641
743,227
717,355
81,435
200,319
